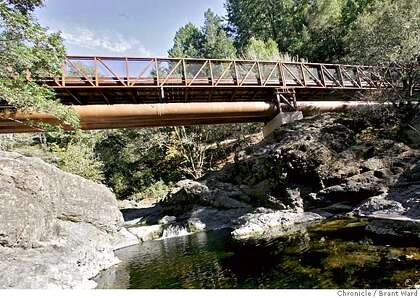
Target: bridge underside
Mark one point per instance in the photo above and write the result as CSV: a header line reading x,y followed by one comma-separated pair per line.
x,y
122,92
104,96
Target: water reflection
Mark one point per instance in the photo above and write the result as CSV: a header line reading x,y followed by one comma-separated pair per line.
x,y
334,255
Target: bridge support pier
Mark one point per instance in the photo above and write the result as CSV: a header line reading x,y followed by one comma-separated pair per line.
x,y
281,119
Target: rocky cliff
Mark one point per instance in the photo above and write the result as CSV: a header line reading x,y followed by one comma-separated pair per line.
x,y
56,229
319,167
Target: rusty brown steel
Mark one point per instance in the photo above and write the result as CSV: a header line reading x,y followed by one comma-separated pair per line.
x,y
121,115
199,71
173,114
154,79
96,81
223,73
297,80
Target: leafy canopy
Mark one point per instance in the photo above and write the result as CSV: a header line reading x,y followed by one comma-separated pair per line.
x,y
27,54
209,41
389,35
258,49
310,29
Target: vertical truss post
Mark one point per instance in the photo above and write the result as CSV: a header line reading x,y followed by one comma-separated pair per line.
x,y
277,101
286,96
63,75
127,80
260,80
162,93
340,75
184,72
211,72
303,73
236,72
157,71
322,76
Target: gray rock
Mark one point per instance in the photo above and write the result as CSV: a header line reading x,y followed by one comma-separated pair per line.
x,y
196,225
56,229
145,233
409,197
127,204
124,238
167,219
187,193
397,227
338,170
355,189
374,164
266,223
396,213
214,219
380,204
402,201
77,255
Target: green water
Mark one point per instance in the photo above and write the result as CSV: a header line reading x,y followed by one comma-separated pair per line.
x,y
335,254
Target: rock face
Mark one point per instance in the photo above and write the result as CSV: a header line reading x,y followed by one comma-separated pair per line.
x,y
266,223
56,229
188,193
328,164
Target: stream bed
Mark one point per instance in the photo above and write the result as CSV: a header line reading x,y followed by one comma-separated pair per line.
x,y
333,254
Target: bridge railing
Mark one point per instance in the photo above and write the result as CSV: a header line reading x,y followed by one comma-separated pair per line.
x,y
127,72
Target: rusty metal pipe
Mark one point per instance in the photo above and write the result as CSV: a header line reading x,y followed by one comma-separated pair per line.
x,y
169,114
315,107
147,115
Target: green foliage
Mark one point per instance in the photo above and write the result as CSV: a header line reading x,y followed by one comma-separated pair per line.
x,y
257,49
25,6
389,35
136,163
135,159
27,54
313,30
260,50
72,152
261,19
187,42
78,159
155,191
216,43
210,41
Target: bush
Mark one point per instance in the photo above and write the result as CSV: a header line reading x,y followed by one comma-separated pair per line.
x,y
155,191
80,160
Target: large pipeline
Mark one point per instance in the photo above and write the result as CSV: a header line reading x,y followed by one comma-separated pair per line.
x,y
168,114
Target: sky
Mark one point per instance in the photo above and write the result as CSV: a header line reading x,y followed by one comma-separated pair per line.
x,y
139,28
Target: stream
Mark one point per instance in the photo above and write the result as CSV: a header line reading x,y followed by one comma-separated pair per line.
x,y
333,254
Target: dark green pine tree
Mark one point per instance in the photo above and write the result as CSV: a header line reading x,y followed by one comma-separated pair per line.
x,y
210,41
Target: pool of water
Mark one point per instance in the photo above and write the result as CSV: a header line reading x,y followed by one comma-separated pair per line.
x,y
334,254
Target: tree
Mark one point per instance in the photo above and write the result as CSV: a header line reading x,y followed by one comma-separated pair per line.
x,y
210,41
27,55
310,29
187,42
257,49
216,42
389,36
261,19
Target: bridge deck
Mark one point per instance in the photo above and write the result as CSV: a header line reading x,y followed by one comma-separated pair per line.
x,y
109,80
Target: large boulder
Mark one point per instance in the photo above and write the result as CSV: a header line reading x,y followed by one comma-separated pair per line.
x,y
188,193
56,228
267,223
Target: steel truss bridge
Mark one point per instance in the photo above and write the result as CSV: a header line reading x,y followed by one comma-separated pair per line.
x,y
115,92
